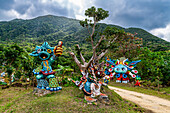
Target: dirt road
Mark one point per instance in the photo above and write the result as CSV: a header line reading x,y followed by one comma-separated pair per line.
x,y
156,104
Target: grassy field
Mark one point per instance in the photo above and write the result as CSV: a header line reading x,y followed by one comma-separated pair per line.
x,y
70,99
163,93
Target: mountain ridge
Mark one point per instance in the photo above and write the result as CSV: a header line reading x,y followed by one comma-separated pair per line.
x,y
51,28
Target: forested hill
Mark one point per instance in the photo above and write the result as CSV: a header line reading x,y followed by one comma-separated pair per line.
x,y
53,28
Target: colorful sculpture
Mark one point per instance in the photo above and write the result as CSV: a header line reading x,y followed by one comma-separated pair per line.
x,y
106,79
91,85
138,78
47,54
121,69
3,78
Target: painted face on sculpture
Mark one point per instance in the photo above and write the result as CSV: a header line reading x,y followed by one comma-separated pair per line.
x,y
120,69
44,52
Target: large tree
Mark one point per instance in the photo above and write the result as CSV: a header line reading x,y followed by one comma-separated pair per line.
x,y
108,37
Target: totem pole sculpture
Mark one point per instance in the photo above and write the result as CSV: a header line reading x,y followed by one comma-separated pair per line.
x,y
121,69
91,85
47,54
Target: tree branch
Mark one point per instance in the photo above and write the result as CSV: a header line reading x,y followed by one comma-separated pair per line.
x,y
88,30
101,51
101,38
75,59
93,32
101,65
81,56
93,28
102,54
11,61
114,39
90,61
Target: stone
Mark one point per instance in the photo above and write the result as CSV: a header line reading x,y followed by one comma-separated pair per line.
x,y
41,92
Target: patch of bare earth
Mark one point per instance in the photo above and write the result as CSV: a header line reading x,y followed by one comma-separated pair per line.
x,y
153,103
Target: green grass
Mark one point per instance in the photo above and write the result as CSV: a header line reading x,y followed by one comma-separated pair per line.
x,y
163,93
70,99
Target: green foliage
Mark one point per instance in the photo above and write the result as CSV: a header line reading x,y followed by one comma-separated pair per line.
x,y
63,69
16,58
9,70
3,83
110,31
97,15
152,42
30,33
62,72
18,74
154,66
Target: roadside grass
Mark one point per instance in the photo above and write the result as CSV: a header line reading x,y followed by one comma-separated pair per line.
x,y
70,99
163,93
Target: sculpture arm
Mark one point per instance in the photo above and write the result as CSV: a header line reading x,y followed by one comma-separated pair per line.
x,y
53,58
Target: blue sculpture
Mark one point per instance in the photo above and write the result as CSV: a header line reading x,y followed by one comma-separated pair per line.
x,y
48,55
121,69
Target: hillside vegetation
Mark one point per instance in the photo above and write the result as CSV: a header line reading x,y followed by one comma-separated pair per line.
x,y
53,28
153,68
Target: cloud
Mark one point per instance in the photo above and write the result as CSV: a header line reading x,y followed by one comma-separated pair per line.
x,y
81,6
164,33
147,14
6,4
27,9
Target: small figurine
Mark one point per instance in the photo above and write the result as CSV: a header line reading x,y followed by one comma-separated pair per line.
x,y
106,79
138,78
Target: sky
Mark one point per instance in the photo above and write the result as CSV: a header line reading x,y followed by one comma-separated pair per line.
x,y
151,15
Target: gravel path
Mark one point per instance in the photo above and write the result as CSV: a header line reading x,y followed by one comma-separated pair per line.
x,y
156,104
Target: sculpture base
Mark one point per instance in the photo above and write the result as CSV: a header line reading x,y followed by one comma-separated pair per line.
x,y
41,92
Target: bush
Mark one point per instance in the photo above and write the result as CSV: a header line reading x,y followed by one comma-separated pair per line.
x,y
154,66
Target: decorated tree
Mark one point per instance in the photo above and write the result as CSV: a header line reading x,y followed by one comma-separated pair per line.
x,y
107,38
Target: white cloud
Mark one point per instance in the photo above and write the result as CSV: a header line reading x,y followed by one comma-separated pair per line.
x,y
14,14
125,13
163,33
79,7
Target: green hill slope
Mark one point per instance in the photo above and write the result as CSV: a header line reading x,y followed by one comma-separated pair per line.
x,y
53,28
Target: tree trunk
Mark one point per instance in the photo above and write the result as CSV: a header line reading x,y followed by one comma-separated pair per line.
x,y
10,80
33,80
25,82
158,85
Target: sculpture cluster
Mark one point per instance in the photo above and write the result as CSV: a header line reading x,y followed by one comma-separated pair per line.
x,y
90,82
